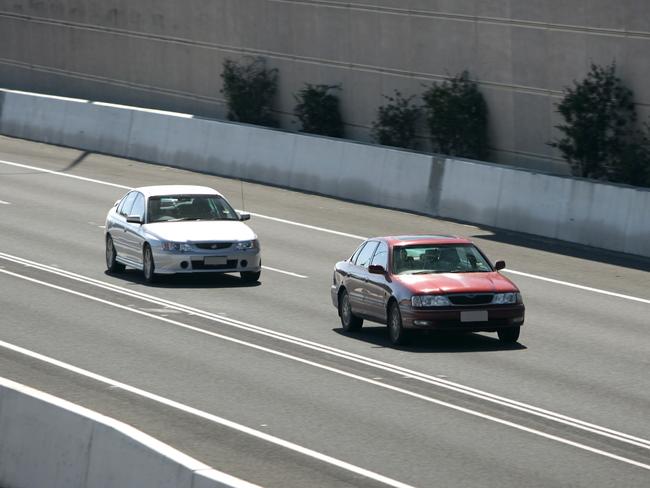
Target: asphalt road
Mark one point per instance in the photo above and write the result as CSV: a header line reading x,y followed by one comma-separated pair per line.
x,y
260,382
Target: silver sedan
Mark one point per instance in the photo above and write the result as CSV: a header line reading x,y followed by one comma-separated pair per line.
x,y
180,229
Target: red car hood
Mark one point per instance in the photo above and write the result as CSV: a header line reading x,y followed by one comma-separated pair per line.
x,y
457,283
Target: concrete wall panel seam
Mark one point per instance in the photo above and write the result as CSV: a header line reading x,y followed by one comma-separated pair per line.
x,y
610,216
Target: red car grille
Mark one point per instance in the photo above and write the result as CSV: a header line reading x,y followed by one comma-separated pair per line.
x,y
471,299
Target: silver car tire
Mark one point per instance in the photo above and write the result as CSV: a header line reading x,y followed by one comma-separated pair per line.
x,y
112,265
396,333
148,265
250,276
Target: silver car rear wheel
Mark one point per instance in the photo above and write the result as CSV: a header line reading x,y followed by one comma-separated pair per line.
x,y
112,265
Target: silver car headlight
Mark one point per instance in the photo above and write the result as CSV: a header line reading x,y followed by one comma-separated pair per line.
x,y
175,246
246,245
506,298
430,301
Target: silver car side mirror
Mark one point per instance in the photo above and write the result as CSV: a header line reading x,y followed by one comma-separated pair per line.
x,y
134,219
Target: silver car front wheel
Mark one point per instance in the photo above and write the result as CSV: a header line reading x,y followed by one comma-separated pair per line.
x,y
148,265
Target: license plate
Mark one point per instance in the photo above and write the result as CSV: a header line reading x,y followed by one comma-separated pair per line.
x,y
215,260
474,316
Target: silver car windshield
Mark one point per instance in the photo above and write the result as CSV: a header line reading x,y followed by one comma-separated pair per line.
x,y
448,258
174,208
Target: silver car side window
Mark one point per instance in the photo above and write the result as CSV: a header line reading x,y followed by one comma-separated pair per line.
x,y
126,204
138,206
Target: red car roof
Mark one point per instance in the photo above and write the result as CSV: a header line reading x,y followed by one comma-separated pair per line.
x,y
415,240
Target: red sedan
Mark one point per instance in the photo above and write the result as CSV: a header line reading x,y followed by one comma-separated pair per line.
x,y
426,282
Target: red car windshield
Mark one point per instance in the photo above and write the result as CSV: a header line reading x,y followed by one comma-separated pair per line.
x,y
439,258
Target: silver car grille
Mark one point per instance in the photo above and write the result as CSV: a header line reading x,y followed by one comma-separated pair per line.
x,y
213,246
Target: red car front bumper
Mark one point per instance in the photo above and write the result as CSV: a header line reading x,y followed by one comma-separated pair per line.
x,y
449,318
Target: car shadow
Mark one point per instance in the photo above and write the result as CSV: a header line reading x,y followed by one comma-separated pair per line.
x,y
433,341
185,280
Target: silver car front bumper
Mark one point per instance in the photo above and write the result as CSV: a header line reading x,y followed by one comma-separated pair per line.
x,y
207,262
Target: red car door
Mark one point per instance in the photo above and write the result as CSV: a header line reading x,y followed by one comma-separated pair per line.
x,y
358,278
377,287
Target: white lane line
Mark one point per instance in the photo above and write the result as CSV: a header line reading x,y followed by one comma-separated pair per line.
x,y
58,173
139,436
306,226
383,366
2,202
185,408
92,180
275,440
284,272
579,287
335,232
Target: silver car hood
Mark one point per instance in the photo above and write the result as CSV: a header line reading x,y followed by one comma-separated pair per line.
x,y
198,231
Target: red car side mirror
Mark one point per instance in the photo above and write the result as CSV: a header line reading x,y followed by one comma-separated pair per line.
x,y
499,265
376,269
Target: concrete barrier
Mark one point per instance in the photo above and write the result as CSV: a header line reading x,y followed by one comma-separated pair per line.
x,y
609,216
46,441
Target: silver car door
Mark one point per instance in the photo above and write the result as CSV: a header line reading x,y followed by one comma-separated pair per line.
x,y
133,235
117,225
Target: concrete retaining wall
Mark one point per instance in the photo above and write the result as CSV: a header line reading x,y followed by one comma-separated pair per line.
x,y
614,217
360,172
609,216
46,441
169,54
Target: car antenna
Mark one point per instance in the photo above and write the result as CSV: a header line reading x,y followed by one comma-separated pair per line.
x,y
243,205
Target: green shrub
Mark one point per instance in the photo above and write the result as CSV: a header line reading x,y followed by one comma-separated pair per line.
x,y
634,166
456,114
396,122
249,88
318,110
599,116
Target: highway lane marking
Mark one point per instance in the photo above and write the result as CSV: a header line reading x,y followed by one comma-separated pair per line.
x,y
131,432
579,287
307,226
284,272
186,408
384,366
2,202
621,437
58,173
343,234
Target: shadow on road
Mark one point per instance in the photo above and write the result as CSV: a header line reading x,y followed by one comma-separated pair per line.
x,y
197,280
78,160
433,342
565,248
